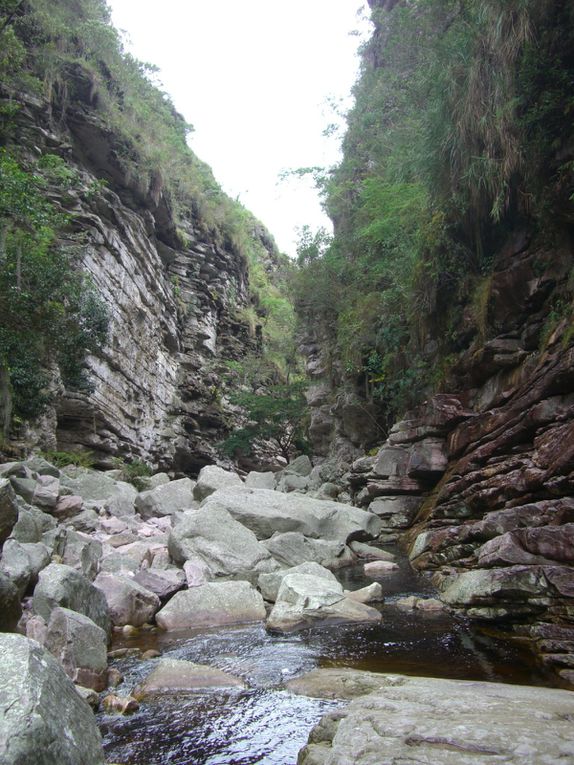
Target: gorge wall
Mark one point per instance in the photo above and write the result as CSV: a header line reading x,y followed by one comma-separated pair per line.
x,y
446,348
175,284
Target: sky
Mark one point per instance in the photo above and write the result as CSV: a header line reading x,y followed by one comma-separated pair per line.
x,y
255,79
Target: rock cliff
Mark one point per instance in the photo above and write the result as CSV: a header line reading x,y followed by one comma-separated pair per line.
x,y
476,480
174,292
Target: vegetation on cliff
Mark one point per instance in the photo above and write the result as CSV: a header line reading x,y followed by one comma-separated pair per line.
x,y
460,134
65,56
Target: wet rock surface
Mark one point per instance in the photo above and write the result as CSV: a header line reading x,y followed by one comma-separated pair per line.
x,y
445,721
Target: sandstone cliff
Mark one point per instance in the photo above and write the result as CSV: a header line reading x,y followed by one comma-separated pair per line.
x,y
174,279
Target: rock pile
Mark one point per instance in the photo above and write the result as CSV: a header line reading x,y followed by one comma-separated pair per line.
x,y
84,553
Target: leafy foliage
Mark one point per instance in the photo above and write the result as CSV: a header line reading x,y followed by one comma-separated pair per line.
x,y
49,312
460,130
276,414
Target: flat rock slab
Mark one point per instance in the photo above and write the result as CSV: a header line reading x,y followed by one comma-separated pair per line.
x,y
336,683
212,605
176,676
266,512
446,722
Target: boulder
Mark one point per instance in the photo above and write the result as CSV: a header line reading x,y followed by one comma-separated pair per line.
x,y
23,561
362,550
32,523
196,572
490,586
211,478
41,466
128,602
8,509
68,507
391,461
292,482
88,520
145,483
412,603
380,568
83,553
163,582
451,722
47,492
428,459
60,585
24,487
117,497
80,646
227,548
9,469
396,512
267,512
10,608
327,491
300,466
165,499
43,720
373,593
304,600
292,549
256,480
212,605
269,584
177,676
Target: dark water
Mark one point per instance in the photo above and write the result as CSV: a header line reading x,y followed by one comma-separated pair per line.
x,y
268,725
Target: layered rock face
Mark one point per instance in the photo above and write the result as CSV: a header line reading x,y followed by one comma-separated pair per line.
x,y
172,296
481,483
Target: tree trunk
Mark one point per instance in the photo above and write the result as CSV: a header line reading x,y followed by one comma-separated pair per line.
x,y
5,400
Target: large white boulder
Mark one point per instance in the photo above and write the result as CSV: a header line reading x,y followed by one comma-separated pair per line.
x,y
211,535
165,499
211,478
304,599
212,605
266,512
446,722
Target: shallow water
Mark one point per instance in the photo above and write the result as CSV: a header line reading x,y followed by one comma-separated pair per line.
x,y
268,725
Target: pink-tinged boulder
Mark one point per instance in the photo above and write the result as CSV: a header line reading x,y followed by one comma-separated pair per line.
x,y
128,602
380,568
212,605
177,676
428,459
80,646
68,506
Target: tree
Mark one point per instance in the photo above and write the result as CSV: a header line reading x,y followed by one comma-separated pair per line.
x,y
278,415
49,312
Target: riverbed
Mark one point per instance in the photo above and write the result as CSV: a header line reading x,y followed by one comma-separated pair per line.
x,y
267,724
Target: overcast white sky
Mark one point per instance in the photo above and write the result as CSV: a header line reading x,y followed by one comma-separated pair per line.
x,y
254,78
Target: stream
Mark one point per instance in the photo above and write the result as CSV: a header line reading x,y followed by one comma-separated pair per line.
x,y
267,724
